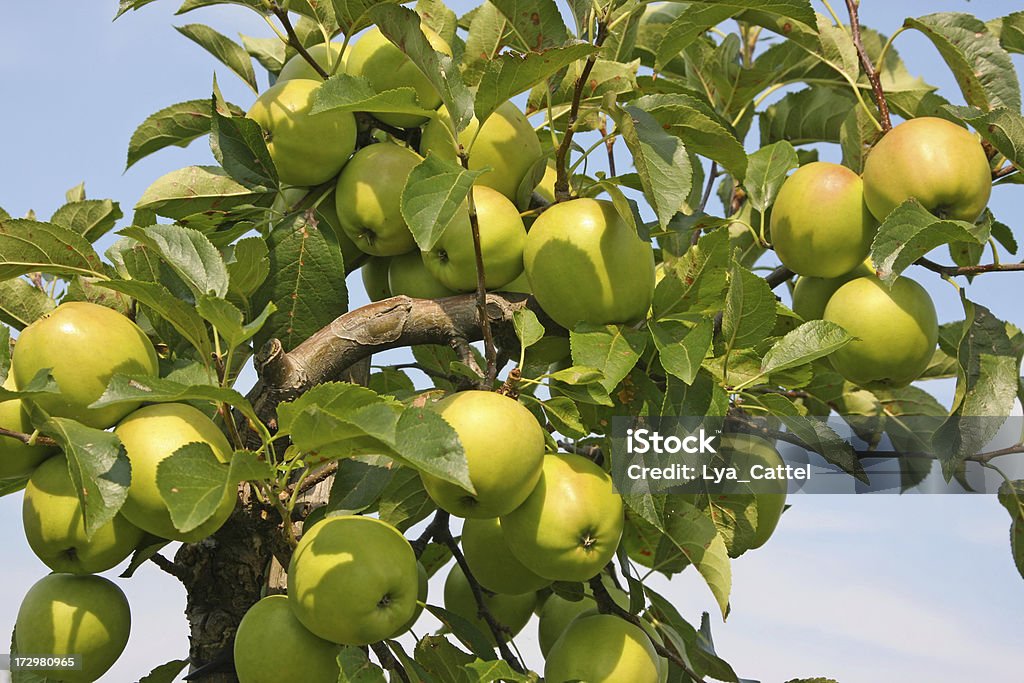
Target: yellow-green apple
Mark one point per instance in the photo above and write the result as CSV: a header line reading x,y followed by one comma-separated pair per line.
x,y
934,161
504,448
17,459
744,451
557,612
546,187
820,225
307,149
502,238
506,143
492,563
52,519
377,59
375,277
152,434
511,611
409,275
69,614
271,645
895,331
368,199
570,525
585,264
353,580
422,581
85,345
328,55
811,294
602,648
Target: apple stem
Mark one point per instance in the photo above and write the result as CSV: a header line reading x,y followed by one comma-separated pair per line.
x,y
869,67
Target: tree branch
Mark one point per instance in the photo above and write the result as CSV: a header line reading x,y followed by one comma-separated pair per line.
x,y
869,67
481,286
293,39
388,660
712,175
607,605
391,323
778,276
171,567
953,271
28,439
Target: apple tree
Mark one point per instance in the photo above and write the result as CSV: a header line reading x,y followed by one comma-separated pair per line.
x,y
565,214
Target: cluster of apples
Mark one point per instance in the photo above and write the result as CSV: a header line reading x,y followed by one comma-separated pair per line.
x,y
582,240
73,611
822,226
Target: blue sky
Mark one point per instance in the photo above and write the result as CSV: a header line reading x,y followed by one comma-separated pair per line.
x,y
862,589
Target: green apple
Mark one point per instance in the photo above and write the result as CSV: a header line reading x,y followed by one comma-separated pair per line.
x,y
368,199
506,143
85,345
307,149
602,648
504,448
557,612
546,187
67,614
152,434
934,161
377,59
820,225
585,264
353,580
328,55
895,331
511,611
569,527
811,294
492,563
409,275
55,530
375,277
272,646
17,459
652,633
502,238
744,451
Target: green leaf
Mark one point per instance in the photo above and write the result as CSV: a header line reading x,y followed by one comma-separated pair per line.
x,y
28,246
90,218
227,319
353,16
165,673
812,340
306,282
249,466
699,127
434,194
356,667
192,483
1010,30
1001,127
429,443
507,75
227,51
660,160
404,501
354,93
9,486
468,633
615,349
487,32
22,303
749,314
248,266
536,23
441,659
99,469
177,125
491,670
837,48
193,190
696,282
402,27
806,116
136,388
238,145
130,5
987,383
178,313
766,171
910,232
527,326
189,254
681,349
691,23
564,416
359,482
981,66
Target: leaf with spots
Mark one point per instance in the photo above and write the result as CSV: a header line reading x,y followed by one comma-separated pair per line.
x,y
28,246
536,24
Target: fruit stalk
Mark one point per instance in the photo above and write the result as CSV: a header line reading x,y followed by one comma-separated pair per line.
x,y
869,67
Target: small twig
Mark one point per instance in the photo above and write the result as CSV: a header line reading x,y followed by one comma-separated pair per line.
x,y
607,605
325,473
952,271
27,439
592,452
609,146
1004,171
712,175
388,660
562,192
481,286
293,40
778,276
869,67
171,567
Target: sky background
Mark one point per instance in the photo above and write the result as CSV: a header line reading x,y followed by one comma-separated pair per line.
x,y
862,589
